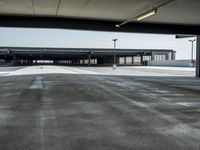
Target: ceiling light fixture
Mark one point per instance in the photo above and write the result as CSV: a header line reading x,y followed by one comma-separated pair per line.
x,y
139,18
145,15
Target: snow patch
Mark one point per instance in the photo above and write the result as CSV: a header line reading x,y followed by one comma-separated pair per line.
x,y
33,70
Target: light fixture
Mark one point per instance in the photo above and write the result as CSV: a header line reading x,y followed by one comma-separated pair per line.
x,y
146,14
139,18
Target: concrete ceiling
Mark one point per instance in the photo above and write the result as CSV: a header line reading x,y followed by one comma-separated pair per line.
x,y
177,12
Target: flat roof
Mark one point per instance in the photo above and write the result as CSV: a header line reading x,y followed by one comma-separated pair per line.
x,y
15,49
62,53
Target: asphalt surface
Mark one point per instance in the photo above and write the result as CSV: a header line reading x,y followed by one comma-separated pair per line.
x,y
99,112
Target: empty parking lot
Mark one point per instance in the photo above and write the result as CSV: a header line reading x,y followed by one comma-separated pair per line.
x,y
56,107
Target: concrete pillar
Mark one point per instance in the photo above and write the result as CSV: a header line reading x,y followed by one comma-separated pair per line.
x,y
75,61
141,57
132,59
14,62
83,61
124,60
98,60
173,55
167,56
89,61
152,56
198,57
79,61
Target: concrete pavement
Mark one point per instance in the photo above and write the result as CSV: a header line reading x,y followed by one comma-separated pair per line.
x,y
99,112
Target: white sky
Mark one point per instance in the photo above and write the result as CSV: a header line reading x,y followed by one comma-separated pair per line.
x,y
90,39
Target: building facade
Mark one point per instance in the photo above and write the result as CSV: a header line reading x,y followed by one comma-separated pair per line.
x,y
82,56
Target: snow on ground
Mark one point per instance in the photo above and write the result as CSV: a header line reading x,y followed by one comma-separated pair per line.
x,y
32,70
82,70
40,70
143,71
4,73
120,71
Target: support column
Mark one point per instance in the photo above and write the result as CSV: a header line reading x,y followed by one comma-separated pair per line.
x,y
14,60
152,56
83,61
132,59
173,56
141,59
167,56
198,57
125,60
79,61
89,61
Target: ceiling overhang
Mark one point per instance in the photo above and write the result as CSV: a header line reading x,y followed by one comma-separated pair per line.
x,y
176,17
96,25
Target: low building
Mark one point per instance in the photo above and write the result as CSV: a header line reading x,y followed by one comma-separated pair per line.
x,y
82,56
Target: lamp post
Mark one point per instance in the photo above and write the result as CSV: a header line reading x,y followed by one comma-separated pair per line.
x,y
114,54
192,49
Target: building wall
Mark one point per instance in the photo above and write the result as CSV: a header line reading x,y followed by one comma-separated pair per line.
x,y
173,63
162,56
92,58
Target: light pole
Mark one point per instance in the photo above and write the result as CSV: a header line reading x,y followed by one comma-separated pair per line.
x,y
114,54
192,49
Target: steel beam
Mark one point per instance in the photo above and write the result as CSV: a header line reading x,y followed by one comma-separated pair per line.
x,y
96,25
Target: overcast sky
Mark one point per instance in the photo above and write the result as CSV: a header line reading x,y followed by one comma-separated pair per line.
x,y
89,39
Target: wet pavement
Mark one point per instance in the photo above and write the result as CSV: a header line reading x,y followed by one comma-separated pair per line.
x,y
99,112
